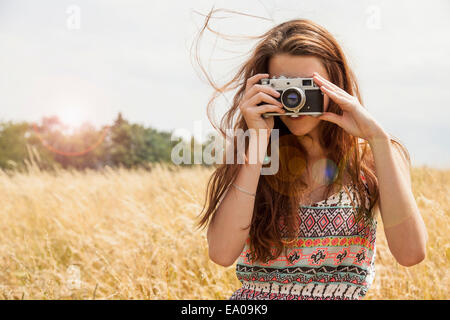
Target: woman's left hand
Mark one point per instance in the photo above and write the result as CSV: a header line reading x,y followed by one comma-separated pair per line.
x,y
356,120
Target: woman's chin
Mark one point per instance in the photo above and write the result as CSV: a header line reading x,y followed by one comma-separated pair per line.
x,y
300,133
300,128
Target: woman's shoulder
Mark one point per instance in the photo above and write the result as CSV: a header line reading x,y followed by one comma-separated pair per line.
x,y
401,148
395,141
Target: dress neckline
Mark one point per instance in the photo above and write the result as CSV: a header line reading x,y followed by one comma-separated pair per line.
x,y
314,204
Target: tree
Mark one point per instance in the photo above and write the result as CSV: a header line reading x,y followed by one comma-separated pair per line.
x,y
122,144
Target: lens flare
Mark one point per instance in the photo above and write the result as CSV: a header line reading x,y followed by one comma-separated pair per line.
x,y
73,153
324,171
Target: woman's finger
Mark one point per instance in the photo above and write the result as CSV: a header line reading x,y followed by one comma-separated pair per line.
x,y
339,99
263,97
331,117
261,88
324,81
255,79
320,82
269,108
339,93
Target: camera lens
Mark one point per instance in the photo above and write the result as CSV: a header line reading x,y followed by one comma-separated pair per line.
x,y
291,98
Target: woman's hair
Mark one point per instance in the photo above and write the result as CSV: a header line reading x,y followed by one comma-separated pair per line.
x,y
275,213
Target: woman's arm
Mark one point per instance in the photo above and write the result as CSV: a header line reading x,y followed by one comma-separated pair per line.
x,y
230,226
403,225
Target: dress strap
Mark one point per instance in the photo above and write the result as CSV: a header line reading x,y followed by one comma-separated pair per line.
x,y
365,182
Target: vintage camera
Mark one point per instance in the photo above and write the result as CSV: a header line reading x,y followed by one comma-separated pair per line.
x,y
299,96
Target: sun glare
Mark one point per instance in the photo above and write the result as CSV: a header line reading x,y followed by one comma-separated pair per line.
x,y
72,117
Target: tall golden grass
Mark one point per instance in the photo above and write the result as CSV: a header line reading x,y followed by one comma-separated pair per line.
x,y
130,234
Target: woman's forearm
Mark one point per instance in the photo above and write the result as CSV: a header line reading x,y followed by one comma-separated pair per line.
x,y
229,229
403,225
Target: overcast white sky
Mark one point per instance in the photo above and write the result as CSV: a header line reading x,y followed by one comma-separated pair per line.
x,y
88,60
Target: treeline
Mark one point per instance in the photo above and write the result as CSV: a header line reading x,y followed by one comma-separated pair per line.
x,y
120,144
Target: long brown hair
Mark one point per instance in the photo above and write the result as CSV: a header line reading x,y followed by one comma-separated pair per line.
x,y
277,195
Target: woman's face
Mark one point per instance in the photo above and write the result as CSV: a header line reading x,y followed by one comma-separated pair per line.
x,y
292,66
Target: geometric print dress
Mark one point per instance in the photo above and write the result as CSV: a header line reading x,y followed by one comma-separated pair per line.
x,y
331,258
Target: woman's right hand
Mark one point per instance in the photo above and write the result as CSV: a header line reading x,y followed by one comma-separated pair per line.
x,y
256,93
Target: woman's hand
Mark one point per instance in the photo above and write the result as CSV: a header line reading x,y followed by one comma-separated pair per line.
x,y
356,120
254,94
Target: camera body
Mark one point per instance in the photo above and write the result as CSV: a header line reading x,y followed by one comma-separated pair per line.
x,y
299,96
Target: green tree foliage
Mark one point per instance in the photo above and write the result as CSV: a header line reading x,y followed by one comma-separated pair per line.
x,y
121,144
133,145
16,144
12,143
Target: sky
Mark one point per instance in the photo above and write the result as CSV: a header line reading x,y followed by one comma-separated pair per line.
x,y
88,60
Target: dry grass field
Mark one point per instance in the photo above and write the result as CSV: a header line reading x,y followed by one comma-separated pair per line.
x,y
129,234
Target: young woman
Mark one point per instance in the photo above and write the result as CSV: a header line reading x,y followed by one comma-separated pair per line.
x,y
308,231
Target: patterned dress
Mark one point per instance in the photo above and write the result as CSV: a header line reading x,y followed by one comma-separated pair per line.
x,y
332,257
